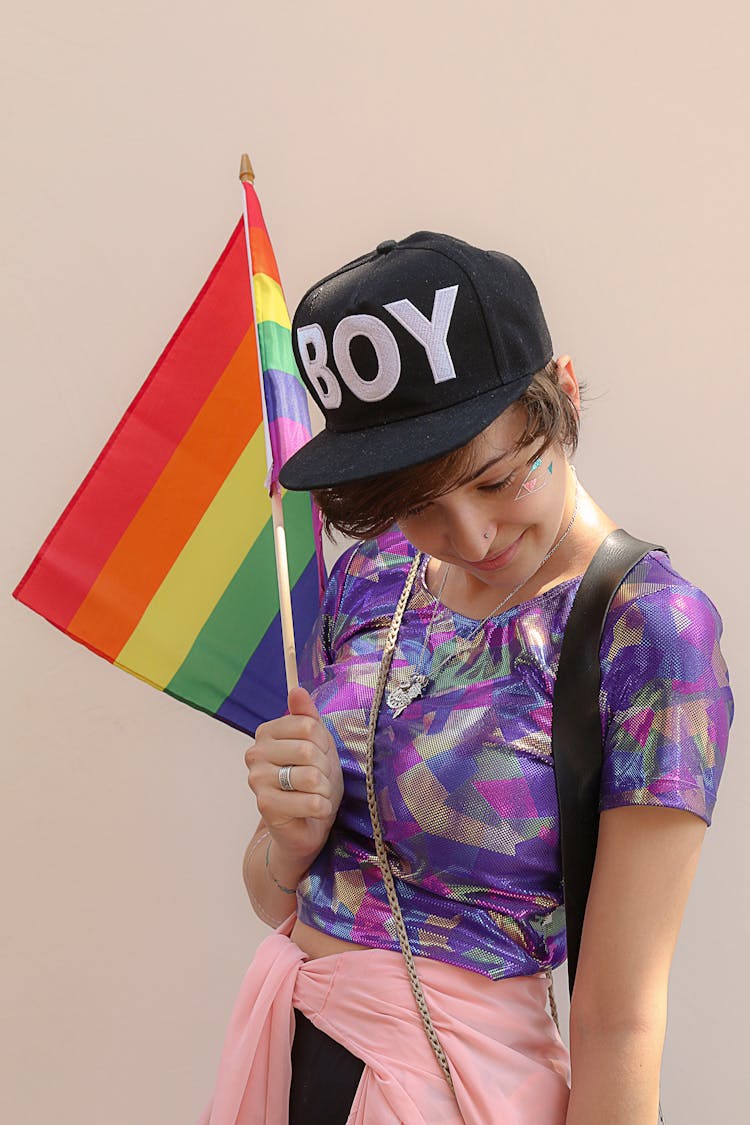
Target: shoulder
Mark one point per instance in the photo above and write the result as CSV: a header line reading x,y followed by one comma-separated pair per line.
x,y
371,560
659,623
654,573
367,579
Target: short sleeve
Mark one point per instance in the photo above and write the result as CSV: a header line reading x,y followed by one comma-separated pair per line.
x,y
666,702
316,655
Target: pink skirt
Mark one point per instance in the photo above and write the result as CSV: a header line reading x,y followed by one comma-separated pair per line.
x,y
506,1055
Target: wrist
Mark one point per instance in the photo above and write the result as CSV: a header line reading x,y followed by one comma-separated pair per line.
x,y
258,907
285,870
277,883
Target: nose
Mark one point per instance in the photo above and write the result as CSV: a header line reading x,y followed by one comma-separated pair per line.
x,y
471,535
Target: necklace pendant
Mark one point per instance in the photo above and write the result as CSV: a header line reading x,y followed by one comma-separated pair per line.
x,y
399,698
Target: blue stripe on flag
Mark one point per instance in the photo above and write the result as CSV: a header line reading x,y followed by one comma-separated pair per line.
x,y
286,398
260,693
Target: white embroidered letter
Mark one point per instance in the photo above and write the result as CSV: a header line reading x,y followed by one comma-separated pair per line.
x,y
432,334
386,349
315,366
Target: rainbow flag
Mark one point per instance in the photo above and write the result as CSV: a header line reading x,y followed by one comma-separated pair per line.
x,y
285,398
163,561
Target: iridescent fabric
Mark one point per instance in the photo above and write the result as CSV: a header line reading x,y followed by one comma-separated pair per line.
x,y
464,776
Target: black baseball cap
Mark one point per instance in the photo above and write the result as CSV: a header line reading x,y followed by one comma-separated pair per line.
x,y
411,351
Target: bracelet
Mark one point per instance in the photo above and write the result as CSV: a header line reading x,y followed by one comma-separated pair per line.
x,y
286,890
256,904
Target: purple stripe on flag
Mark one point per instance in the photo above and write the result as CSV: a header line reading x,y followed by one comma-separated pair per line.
x,y
286,398
286,438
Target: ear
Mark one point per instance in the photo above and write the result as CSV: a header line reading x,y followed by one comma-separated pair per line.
x,y
567,378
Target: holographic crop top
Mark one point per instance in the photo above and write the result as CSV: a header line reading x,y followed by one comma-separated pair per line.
x,y
464,776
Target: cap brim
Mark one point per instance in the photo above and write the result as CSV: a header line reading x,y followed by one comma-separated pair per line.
x,y
330,458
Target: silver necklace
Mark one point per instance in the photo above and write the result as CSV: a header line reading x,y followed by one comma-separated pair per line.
x,y
399,697
417,683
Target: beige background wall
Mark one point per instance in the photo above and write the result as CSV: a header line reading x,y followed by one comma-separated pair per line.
x,y
606,147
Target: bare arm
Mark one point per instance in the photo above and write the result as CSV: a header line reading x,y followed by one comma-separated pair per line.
x,y
646,859
294,824
264,880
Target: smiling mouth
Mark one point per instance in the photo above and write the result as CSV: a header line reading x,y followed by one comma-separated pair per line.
x,y
499,559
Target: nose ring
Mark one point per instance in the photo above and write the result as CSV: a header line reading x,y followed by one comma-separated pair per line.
x,y
486,534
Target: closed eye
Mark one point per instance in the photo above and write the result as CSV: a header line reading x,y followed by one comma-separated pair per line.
x,y
499,485
533,463
415,511
496,486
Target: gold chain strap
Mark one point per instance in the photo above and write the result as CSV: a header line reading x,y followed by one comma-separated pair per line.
x,y
377,833
552,1002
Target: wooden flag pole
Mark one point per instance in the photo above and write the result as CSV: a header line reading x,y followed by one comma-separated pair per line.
x,y
279,536
285,598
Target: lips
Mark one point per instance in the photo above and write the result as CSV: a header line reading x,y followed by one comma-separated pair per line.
x,y
502,559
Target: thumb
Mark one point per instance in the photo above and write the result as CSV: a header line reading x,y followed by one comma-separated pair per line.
x,y
300,703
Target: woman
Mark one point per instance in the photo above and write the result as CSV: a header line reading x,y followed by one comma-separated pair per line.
x,y
449,429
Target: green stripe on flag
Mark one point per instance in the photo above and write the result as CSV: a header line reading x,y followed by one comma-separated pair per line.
x,y
244,612
276,348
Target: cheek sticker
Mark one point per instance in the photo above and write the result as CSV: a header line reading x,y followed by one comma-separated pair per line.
x,y
535,479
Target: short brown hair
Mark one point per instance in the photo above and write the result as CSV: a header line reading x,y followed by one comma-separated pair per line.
x,y
366,508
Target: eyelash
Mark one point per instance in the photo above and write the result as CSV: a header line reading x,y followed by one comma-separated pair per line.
x,y
498,486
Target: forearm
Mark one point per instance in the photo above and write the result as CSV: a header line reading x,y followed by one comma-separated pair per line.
x,y
266,873
615,1075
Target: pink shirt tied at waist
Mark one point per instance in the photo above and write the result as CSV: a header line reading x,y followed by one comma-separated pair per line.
x,y
507,1058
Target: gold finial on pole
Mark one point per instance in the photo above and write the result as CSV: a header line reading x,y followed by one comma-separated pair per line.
x,y
246,170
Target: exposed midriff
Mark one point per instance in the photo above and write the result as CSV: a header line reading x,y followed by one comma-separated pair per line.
x,y
315,943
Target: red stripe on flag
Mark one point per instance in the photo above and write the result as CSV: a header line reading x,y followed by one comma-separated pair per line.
x,y
173,509
146,437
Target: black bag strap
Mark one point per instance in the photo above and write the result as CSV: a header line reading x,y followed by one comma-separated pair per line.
x,y
576,725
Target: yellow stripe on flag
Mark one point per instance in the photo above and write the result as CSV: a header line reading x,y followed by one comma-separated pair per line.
x,y
202,571
269,301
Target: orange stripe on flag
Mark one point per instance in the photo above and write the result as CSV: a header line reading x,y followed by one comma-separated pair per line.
x,y
175,505
264,259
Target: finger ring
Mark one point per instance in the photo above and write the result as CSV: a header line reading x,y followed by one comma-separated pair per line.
x,y
285,779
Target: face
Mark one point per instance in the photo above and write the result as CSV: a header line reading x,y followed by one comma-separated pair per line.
x,y
519,499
